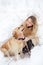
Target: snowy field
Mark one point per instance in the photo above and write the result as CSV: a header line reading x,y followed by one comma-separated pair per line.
x,y
12,14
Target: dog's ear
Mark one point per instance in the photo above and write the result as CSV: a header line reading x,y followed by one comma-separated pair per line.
x,y
15,35
15,32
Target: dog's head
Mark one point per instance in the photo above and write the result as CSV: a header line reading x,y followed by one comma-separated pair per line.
x,y
18,33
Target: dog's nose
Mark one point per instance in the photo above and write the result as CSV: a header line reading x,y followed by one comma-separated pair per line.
x,y
25,50
30,44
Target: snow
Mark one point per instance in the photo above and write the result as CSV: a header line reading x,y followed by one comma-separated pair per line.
x,y
12,14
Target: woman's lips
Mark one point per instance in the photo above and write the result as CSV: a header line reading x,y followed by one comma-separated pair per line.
x,y
29,26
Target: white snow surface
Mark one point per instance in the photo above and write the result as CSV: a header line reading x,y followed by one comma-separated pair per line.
x,y
12,14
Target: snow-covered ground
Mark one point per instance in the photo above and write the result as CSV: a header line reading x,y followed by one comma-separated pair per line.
x,y
12,14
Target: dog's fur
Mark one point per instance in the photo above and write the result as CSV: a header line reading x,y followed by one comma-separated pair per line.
x,y
12,47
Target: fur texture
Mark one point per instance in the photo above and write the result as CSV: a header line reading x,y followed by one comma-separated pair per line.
x,y
12,47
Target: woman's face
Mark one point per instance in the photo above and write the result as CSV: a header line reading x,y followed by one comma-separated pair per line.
x,y
29,22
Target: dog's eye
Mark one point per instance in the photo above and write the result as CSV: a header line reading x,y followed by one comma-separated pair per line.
x,y
22,29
